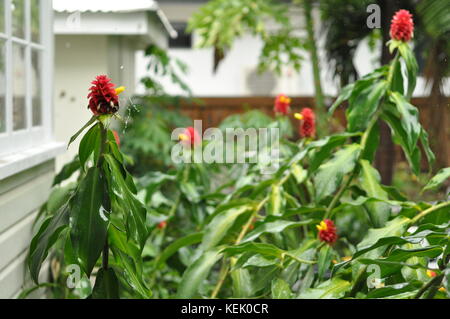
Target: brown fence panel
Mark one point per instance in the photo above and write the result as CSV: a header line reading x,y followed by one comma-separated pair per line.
x,y
213,110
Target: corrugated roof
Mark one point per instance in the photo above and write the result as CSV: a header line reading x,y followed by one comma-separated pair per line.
x,y
104,5
116,6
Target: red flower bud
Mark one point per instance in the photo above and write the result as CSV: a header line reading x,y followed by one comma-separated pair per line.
x,y
282,104
162,225
327,231
103,98
402,26
308,124
190,137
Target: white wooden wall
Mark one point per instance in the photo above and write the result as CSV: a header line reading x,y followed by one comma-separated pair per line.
x,y
20,198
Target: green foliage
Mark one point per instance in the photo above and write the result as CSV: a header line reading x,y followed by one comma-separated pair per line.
x,y
197,230
101,207
219,23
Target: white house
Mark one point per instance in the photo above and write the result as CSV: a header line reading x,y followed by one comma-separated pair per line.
x,y
94,37
236,75
44,82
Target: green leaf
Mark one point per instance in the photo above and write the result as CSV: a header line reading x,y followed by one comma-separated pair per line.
x,y
442,176
188,189
299,173
400,136
400,258
324,147
331,289
426,147
377,238
250,259
216,230
275,227
373,239
324,260
280,289
373,140
345,94
89,219
275,202
196,273
58,197
135,211
176,245
306,281
394,290
67,171
363,107
330,174
106,285
397,77
119,240
131,273
91,141
45,239
89,123
114,147
409,119
259,248
242,283
379,212
411,66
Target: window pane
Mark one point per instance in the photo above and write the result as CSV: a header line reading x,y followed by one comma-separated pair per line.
x,y
18,18
19,88
35,21
36,88
2,88
2,16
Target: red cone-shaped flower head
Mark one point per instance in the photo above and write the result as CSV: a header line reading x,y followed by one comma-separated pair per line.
x,y
327,231
308,122
402,26
190,137
282,104
103,98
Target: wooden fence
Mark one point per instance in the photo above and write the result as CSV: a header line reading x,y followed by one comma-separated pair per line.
x,y
212,110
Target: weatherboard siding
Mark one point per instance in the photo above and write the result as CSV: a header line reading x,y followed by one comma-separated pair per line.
x,y
21,196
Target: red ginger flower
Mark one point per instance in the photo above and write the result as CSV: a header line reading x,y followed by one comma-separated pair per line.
x,y
308,124
402,26
103,98
162,225
282,104
327,231
190,137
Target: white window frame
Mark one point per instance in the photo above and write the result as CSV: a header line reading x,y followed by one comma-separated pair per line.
x,y
16,141
20,150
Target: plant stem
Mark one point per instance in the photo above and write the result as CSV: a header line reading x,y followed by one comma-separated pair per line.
x,y
364,139
223,275
300,260
104,140
339,194
433,282
312,46
428,211
225,267
105,255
